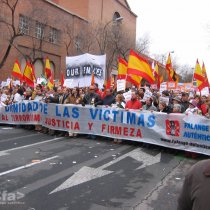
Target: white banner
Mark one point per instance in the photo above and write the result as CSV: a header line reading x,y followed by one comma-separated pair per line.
x,y
179,131
80,68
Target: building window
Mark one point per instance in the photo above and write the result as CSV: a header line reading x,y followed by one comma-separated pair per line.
x,y
39,32
53,35
24,25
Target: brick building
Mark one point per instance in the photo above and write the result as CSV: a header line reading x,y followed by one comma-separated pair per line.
x,y
49,28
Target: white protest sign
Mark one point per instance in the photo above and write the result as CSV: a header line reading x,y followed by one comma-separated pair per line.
x,y
163,87
8,81
68,83
205,91
4,84
121,85
41,80
127,96
147,95
16,82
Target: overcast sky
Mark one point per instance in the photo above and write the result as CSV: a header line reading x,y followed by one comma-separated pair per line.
x,y
182,26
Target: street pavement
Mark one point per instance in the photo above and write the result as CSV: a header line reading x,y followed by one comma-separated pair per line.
x,y
43,172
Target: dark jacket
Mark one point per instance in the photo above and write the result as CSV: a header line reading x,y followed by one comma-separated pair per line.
x,y
92,99
108,100
165,110
195,194
185,105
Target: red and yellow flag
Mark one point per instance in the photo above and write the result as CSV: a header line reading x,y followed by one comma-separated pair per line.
x,y
134,79
92,79
139,66
200,76
122,68
206,81
28,76
158,76
62,78
50,83
171,72
16,72
47,68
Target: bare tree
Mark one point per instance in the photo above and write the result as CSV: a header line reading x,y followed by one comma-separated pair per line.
x,y
112,39
68,38
185,72
143,44
7,21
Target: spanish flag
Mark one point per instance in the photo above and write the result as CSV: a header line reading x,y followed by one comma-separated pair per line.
x,y
16,72
200,76
47,68
122,68
139,66
28,74
134,79
50,83
159,77
171,72
206,81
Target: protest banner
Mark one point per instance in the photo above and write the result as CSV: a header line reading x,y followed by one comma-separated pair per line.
x,y
80,68
178,131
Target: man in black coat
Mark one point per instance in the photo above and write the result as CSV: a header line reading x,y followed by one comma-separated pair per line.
x,y
92,98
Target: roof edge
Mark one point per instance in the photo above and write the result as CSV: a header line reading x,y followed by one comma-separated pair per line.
x,y
128,7
65,10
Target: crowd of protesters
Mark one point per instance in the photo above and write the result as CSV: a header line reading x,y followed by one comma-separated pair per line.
x,y
143,98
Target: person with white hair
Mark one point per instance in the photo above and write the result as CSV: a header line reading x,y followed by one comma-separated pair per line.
x,y
177,108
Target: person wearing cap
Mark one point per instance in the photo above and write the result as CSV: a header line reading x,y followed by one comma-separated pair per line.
x,y
195,190
176,100
192,109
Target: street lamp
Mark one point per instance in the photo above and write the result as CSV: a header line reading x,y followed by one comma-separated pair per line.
x,y
104,33
118,19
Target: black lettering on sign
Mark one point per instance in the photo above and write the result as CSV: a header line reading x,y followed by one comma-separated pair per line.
x,y
73,72
98,71
86,70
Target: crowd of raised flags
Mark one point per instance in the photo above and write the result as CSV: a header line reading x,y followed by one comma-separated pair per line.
x,y
28,75
138,68
133,97
133,71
